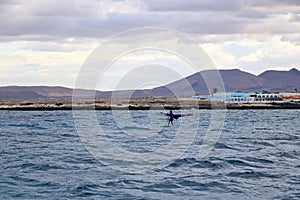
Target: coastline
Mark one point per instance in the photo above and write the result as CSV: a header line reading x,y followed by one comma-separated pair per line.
x,y
154,103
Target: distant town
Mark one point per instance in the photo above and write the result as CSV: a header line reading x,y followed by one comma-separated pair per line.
x,y
218,100
251,97
271,89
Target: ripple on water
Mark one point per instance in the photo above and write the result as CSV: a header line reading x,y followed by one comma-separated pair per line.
x,y
256,157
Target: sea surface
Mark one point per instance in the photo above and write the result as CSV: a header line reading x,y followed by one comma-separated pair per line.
x,y
133,155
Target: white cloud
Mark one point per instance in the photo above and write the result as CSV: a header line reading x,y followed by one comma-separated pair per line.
x,y
45,42
145,66
221,58
273,53
24,66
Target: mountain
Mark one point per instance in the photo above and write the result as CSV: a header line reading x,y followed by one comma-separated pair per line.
x,y
238,80
28,92
281,80
234,80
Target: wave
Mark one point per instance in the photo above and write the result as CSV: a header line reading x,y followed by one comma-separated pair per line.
x,y
135,128
252,174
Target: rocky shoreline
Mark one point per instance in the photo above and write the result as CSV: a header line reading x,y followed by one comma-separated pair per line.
x,y
154,103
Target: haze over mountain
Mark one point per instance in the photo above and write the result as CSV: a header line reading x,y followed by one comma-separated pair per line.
x,y
234,80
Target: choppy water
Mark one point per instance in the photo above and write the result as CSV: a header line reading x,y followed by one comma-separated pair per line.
x,y
257,156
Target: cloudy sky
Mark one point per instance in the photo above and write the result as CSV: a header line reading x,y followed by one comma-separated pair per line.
x,y
46,42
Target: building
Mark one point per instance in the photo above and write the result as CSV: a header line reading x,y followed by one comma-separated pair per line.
x,y
290,96
240,97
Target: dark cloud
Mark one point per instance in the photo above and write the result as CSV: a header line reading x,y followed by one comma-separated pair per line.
x,y
295,39
272,3
90,18
215,5
193,5
114,23
252,14
9,2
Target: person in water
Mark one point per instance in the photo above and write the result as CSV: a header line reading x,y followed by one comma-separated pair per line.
x,y
171,118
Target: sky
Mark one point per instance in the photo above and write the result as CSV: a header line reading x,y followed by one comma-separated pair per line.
x,y
46,42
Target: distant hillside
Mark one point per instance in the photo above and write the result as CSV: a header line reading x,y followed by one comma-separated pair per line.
x,y
34,92
238,80
234,80
27,92
281,80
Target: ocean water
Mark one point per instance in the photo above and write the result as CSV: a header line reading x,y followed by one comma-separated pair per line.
x,y
131,155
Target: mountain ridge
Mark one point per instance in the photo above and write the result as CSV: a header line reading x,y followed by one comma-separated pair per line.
x,y
233,79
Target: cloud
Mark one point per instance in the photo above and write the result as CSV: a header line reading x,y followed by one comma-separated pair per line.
x,y
216,5
193,5
140,77
50,20
44,73
292,38
295,17
272,3
87,18
58,35
271,53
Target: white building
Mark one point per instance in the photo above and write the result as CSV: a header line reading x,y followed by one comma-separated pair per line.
x,y
239,97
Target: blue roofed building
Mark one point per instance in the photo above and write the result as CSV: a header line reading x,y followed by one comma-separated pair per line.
x,y
241,97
